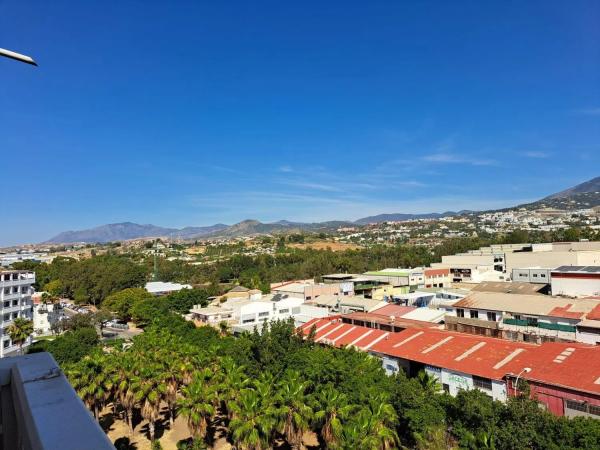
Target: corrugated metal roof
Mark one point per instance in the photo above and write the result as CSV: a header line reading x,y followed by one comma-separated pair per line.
x,y
571,365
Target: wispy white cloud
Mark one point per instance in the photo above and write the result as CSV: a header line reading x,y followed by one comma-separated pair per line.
x,y
286,169
588,111
455,158
536,154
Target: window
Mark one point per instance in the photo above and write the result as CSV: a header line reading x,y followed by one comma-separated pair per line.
x,y
446,388
482,383
263,314
517,317
6,343
24,290
491,316
535,275
248,320
577,406
284,311
543,275
460,312
595,410
474,314
6,317
532,321
6,304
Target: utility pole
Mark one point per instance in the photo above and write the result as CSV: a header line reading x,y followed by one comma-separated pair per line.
x,y
17,56
155,274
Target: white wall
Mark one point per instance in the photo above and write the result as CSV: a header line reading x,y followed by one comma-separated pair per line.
x,y
458,380
575,286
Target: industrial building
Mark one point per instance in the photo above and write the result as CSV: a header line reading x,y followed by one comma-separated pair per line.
x,y
576,281
563,377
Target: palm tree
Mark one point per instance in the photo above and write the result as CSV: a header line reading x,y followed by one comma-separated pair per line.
x,y
294,415
19,331
373,428
232,380
430,383
125,380
331,410
90,380
149,390
224,328
254,422
197,404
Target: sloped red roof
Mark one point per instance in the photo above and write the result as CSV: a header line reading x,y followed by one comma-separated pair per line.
x,y
477,355
563,311
594,314
570,365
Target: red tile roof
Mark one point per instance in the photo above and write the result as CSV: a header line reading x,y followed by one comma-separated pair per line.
x,y
563,311
394,310
594,314
571,365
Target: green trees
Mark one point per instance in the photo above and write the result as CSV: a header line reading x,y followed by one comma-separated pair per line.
x,y
120,303
254,420
92,381
331,411
294,415
274,389
19,331
198,405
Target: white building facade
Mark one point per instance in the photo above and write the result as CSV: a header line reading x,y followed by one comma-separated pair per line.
x,y
16,288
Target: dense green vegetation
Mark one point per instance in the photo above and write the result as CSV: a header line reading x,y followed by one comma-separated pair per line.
x,y
271,388
93,280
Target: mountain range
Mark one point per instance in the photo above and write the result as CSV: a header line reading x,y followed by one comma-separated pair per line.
x,y
586,194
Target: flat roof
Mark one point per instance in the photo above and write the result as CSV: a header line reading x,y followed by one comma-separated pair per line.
x,y
388,273
402,322
513,287
394,310
341,276
527,304
578,269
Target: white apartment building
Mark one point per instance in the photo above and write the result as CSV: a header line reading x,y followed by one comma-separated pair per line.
x,y
16,288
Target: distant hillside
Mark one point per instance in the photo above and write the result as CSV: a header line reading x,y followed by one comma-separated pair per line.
x,y
128,230
398,217
254,227
584,195
587,187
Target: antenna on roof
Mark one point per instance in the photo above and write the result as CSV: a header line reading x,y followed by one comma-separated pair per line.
x,y
17,56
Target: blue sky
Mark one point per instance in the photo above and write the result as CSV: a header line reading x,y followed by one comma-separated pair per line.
x,y
191,113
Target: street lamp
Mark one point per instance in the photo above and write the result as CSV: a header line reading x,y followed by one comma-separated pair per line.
x,y
525,370
19,57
